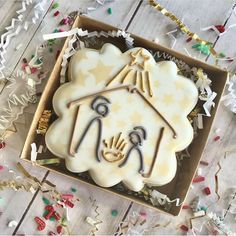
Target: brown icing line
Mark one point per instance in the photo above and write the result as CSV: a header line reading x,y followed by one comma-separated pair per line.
x,y
150,104
149,83
98,93
148,175
71,147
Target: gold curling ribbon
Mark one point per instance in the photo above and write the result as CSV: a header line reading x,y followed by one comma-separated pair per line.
x,y
181,25
44,122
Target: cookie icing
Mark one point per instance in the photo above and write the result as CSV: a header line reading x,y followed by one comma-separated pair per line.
x,y
122,117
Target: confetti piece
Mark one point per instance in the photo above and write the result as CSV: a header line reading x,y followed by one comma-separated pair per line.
x,y
109,10
69,203
114,212
184,228
51,233
46,201
56,13
74,190
55,5
143,215
24,60
207,190
220,28
67,196
49,161
198,179
204,49
2,145
50,49
40,222
185,207
1,167
12,223
217,138
59,229
204,163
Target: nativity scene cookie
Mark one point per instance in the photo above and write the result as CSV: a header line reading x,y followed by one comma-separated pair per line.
x,y
122,117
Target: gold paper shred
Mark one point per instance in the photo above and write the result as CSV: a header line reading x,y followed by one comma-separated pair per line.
x,y
44,122
181,25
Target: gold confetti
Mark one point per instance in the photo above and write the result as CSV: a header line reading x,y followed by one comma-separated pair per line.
x,y
44,122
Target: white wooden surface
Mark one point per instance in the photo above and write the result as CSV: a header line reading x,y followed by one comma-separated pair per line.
x,y
139,18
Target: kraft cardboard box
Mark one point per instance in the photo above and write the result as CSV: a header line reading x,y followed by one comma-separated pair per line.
x,y
179,186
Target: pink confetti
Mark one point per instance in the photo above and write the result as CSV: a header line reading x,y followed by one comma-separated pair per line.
x,y
1,167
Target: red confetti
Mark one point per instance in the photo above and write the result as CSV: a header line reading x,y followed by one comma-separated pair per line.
x,y
184,228
220,28
50,210
198,179
51,233
217,138
2,145
40,222
61,30
204,163
1,167
33,70
207,190
189,39
69,203
59,229
56,13
185,207
24,60
143,215
56,215
67,196
23,66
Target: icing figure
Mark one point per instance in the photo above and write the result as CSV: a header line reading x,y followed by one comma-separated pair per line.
x,y
136,137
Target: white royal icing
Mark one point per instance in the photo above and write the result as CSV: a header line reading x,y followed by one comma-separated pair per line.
x,y
159,89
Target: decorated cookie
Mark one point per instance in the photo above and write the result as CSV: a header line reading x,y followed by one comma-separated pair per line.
x,y
122,117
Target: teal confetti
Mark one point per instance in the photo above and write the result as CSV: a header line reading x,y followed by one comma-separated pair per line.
x,y
46,201
114,212
204,49
55,31
203,208
109,10
74,190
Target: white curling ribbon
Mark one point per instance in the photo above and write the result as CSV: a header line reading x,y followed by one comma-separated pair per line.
x,y
34,153
163,199
230,98
203,83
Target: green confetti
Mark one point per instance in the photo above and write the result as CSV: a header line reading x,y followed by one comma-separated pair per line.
x,y
51,42
109,10
203,208
55,5
55,31
74,190
221,55
63,222
38,61
203,48
32,56
50,49
45,200
114,212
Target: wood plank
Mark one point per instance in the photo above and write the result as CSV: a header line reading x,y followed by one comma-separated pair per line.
x,y
48,25
151,24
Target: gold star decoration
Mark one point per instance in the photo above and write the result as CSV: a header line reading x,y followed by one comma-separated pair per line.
x,y
168,99
136,118
176,119
179,85
184,103
116,107
101,72
121,124
139,58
